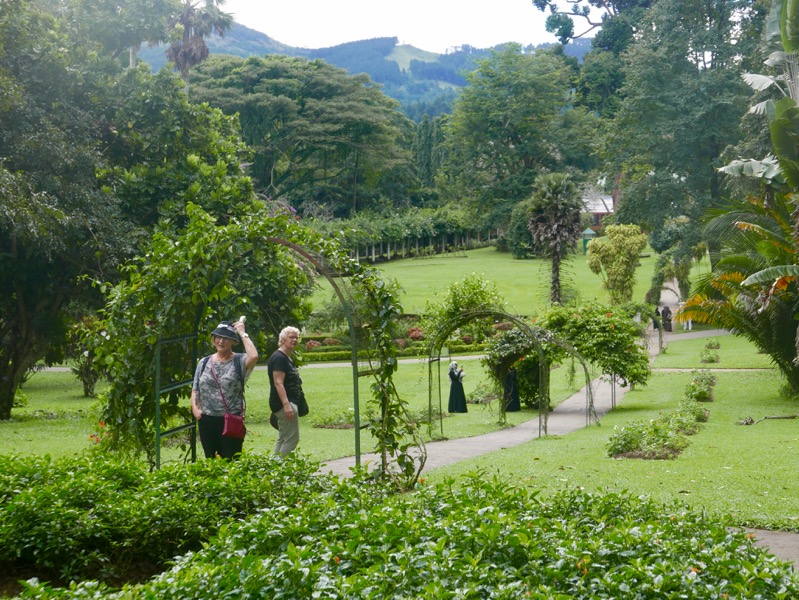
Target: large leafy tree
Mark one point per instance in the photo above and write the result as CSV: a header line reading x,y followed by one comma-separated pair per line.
x,y
683,98
90,159
56,223
164,152
753,287
319,135
509,125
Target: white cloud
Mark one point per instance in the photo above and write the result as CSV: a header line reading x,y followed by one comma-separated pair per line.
x,y
433,25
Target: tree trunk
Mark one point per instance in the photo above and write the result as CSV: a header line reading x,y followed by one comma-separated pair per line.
x,y
12,371
555,291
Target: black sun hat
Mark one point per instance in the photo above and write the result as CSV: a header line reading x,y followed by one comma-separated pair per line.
x,y
225,330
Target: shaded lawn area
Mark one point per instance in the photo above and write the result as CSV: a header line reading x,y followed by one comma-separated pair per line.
x,y
747,472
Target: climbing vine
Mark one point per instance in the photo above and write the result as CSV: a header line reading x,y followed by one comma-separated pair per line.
x,y
189,280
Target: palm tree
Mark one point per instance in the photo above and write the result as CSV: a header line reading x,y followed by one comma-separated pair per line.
x,y
750,290
554,222
197,20
753,288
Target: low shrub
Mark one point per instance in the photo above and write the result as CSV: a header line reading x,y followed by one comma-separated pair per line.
x,y
484,538
712,344
311,344
99,517
332,342
708,356
663,437
700,388
656,439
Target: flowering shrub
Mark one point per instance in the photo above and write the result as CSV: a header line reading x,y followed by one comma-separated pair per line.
x,y
401,342
416,334
504,326
311,344
331,342
712,344
709,356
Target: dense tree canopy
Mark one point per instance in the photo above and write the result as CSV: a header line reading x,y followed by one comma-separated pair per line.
x,y
90,159
508,126
57,223
320,136
683,100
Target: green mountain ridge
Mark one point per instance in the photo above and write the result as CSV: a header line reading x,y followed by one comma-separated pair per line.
x,y
422,82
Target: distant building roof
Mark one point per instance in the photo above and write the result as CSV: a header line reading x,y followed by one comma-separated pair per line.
x,y
597,203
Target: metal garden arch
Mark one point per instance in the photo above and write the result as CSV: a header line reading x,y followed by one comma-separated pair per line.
x,y
537,335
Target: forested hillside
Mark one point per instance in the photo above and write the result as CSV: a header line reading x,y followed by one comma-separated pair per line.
x,y
423,82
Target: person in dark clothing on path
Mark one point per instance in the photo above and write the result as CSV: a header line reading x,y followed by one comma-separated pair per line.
x,y
666,314
457,397
512,403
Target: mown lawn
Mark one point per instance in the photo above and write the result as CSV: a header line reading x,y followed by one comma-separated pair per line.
x,y
524,284
747,472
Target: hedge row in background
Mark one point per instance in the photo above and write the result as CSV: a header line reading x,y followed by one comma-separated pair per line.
x,y
343,353
481,539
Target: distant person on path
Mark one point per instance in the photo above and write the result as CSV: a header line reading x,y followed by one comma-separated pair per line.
x,y
285,391
218,380
687,324
457,397
512,392
666,318
655,324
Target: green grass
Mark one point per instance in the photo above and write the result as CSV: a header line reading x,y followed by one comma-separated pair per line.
x,y
747,472
58,421
524,284
734,353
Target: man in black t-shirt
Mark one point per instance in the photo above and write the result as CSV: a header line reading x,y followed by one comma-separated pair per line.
x,y
285,389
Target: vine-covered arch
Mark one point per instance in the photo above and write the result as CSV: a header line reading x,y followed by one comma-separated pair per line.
x,y
187,274
537,336
398,460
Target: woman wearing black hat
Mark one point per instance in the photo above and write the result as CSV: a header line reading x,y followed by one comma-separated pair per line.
x,y
219,388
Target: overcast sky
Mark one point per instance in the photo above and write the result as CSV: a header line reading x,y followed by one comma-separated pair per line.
x,y
433,25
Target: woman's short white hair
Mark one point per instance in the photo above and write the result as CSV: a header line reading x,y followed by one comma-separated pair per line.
x,y
284,334
453,365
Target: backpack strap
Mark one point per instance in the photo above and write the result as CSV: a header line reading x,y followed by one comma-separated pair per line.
x,y
236,365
